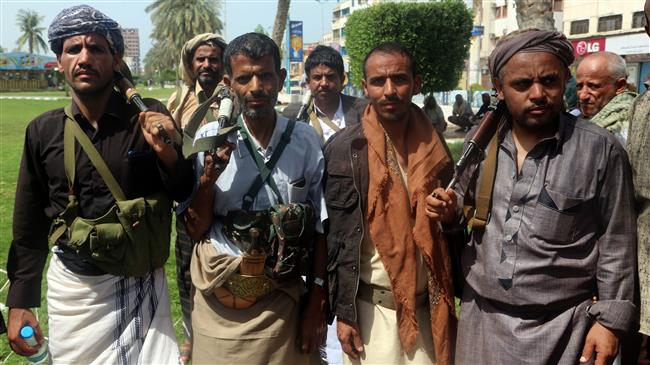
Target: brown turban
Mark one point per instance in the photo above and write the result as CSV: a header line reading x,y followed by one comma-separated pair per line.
x,y
187,54
530,40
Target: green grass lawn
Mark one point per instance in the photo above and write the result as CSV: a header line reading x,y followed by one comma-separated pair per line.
x,y
14,117
156,93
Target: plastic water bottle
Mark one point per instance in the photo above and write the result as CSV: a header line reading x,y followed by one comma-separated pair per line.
x,y
27,333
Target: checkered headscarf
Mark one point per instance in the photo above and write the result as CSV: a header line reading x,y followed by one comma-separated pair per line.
x,y
82,19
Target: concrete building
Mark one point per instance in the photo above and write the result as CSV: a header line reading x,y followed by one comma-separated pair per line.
x,y
495,18
614,26
132,49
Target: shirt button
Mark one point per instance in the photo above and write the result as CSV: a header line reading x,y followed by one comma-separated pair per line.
x,y
354,155
515,208
354,268
358,229
508,238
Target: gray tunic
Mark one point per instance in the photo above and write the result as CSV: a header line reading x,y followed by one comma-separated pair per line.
x,y
561,232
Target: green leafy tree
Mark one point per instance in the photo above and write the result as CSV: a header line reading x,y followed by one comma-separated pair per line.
x,y
260,29
175,22
437,34
28,21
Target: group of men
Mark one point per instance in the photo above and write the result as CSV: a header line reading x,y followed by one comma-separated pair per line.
x,y
287,224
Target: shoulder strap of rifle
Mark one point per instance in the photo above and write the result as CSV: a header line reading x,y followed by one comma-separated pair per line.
x,y
265,169
73,131
479,214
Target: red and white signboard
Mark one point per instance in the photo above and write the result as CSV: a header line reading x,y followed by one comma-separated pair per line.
x,y
584,47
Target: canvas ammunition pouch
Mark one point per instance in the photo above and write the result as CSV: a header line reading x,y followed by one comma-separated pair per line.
x,y
131,239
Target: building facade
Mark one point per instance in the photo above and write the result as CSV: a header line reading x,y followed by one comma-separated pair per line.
x,y
132,49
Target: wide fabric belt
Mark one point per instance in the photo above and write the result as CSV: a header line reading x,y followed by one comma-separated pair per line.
x,y
384,297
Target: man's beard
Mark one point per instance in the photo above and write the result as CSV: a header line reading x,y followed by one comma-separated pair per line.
x,y
254,113
212,79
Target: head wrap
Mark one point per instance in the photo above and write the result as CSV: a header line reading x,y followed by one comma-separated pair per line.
x,y
83,19
187,54
530,40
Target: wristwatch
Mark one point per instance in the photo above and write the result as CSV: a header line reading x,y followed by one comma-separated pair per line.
x,y
320,282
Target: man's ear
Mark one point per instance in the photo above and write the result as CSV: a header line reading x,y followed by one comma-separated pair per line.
x,y
417,86
499,88
226,80
117,61
365,89
59,66
621,85
281,77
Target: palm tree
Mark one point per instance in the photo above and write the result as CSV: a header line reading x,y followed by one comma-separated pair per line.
x,y
177,21
535,14
280,21
28,21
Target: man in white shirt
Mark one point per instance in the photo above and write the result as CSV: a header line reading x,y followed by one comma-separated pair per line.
x,y
329,110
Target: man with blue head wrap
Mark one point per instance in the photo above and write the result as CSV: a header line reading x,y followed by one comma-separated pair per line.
x,y
99,310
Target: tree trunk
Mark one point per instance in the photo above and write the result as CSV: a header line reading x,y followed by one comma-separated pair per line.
x,y
280,21
31,43
535,14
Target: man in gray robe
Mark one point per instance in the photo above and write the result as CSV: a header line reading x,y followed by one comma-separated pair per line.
x,y
550,278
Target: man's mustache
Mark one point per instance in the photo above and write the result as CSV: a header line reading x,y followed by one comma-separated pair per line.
x,y
86,70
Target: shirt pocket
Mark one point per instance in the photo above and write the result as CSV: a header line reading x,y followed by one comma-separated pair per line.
x,y
340,193
556,216
297,190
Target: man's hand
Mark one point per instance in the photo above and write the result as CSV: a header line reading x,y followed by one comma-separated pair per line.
x,y
19,317
314,329
214,164
153,124
350,337
441,205
603,342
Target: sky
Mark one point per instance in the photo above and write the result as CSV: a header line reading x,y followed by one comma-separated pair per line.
x,y
240,16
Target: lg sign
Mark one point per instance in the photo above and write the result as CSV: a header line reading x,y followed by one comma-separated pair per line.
x,y
583,48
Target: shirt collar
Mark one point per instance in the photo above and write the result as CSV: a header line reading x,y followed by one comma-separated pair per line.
x,y
566,121
115,108
337,115
280,125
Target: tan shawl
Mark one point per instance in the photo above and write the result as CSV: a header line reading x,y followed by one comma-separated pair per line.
x,y
398,226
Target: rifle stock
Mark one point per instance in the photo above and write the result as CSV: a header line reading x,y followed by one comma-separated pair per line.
x,y
473,153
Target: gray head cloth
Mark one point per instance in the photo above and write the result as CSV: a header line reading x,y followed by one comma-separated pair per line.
x,y
530,40
82,19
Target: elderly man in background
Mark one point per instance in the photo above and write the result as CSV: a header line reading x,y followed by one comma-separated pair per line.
x,y
462,114
107,303
550,272
601,84
201,68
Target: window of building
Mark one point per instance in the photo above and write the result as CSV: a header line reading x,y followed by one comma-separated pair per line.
x,y
336,33
558,5
612,22
580,26
501,11
345,11
638,19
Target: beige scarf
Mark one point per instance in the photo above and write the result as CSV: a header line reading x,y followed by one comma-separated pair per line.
x,y
398,227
